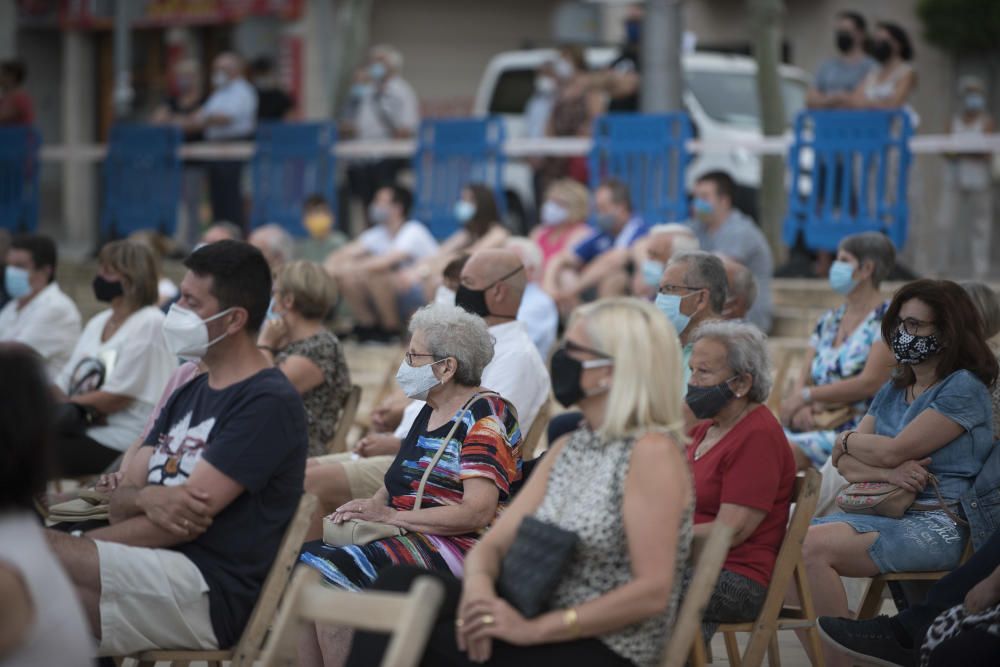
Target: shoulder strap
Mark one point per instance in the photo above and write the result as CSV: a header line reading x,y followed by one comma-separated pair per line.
x,y
942,505
444,444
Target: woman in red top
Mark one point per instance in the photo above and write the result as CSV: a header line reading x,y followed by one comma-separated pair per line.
x,y
743,468
563,218
16,107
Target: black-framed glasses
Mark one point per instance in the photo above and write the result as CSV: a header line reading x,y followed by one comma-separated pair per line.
x,y
501,279
411,355
911,325
671,289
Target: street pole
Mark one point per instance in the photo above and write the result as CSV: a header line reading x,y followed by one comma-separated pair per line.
x,y
123,92
662,42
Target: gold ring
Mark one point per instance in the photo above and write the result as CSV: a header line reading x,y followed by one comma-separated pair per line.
x,y
487,619
459,622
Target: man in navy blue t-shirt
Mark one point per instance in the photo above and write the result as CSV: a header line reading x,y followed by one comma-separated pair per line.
x,y
199,515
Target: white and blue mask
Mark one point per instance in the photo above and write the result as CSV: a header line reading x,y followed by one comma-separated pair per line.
x,y
652,271
670,306
841,277
15,281
464,210
417,381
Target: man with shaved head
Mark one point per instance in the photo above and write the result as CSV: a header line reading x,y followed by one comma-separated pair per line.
x,y
742,290
491,286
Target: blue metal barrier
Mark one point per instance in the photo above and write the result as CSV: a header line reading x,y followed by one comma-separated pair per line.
x,y
648,152
857,178
451,154
19,178
292,162
142,180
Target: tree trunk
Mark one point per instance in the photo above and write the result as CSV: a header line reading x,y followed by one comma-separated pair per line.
x,y
765,18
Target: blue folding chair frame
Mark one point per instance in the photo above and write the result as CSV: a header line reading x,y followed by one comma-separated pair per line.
x,y
19,169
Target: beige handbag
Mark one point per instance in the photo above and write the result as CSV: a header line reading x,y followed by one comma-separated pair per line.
x,y
360,532
885,499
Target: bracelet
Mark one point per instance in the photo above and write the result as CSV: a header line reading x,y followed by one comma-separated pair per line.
x,y
843,441
806,395
572,622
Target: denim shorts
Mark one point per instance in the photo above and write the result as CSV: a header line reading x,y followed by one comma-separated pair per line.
x,y
918,542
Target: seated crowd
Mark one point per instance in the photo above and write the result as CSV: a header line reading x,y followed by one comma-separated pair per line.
x,y
210,414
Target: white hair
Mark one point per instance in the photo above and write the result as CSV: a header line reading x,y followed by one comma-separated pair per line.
x,y
278,241
454,332
684,238
746,352
392,56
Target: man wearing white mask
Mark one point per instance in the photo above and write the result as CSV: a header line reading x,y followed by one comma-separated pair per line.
x,y
198,516
651,253
38,313
491,286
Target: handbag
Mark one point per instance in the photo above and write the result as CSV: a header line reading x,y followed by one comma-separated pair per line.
x,y
360,532
536,561
90,505
885,499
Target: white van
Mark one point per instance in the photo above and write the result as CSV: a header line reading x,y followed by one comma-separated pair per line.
x,y
720,95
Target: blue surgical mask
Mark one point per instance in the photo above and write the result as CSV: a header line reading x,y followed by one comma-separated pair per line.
x,y
702,208
377,71
16,283
841,277
271,315
359,90
464,210
974,102
670,306
652,271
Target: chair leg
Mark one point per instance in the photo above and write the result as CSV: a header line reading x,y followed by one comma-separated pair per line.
x,y
732,649
871,602
697,658
774,652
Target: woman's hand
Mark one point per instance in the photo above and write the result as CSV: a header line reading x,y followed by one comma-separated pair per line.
x,y
910,475
802,421
109,482
369,509
484,620
790,407
984,595
273,334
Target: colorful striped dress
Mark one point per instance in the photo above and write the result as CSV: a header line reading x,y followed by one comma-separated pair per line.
x,y
487,444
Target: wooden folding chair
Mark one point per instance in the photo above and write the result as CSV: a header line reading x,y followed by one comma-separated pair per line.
x,y
536,431
347,414
789,570
408,617
246,651
871,601
708,554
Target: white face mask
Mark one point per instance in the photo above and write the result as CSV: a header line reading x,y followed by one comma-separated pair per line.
x,y
553,213
417,381
444,296
563,68
186,334
545,84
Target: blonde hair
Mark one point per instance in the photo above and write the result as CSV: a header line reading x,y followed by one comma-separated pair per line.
x,y
646,382
136,265
312,290
575,196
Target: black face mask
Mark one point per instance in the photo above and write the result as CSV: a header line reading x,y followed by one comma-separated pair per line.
x,y
105,290
474,300
882,51
845,41
565,372
910,349
706,402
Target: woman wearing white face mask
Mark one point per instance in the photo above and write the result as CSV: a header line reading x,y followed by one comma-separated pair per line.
x,y
465,490
563,218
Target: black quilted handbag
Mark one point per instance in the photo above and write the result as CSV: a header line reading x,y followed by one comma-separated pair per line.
x,y
534,564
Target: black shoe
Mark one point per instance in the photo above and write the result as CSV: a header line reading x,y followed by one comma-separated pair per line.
x,y
872,641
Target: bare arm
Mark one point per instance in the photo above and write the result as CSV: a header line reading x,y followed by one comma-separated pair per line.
x,y
566,259
302,372
929,432
742,519
17,613
104,402
862,386
601,267
384,262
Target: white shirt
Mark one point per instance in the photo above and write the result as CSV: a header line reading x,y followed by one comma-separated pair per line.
x,y
540,316
413,238
134,362
516,372
394,108
49,323
237,100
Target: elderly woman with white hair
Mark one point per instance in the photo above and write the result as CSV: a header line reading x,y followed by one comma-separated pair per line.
x,y
478,436
744,472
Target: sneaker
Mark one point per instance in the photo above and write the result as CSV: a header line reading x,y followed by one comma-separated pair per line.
x,y
872,641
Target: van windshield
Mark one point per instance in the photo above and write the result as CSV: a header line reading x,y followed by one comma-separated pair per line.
x,y
731,97
514,87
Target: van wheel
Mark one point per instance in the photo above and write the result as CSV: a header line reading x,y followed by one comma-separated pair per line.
x,y
516,218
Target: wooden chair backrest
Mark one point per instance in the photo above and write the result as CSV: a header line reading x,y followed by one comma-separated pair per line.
x,y
408,617
538,428
708,553
347,414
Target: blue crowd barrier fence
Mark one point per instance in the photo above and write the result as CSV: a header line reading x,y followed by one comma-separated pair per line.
x,y
142,180
452,153
649,153
848,175
291,162
19,169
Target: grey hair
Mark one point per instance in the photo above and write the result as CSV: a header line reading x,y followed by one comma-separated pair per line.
x,y
277,240
707,271
391,54
874,247
987,303
744,283
234,231
684,238
451,331
746,351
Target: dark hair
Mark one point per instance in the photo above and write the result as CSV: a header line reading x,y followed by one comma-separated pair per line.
x,y
857,19
486,214
576,55
314,201
960,330
900,37
724,185
136,264
261,65
453,269
16,69
25,427
401,197
42,249
619,192
240,275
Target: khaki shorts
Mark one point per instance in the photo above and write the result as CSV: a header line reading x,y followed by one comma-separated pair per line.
x,y
364,476
150,599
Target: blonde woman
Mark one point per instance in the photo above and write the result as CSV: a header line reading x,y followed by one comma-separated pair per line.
x,y
308,353
619,483
563,218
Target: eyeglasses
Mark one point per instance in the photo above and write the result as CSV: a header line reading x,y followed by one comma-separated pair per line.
x,y
603,360
670,289
911,325
501,279
411,355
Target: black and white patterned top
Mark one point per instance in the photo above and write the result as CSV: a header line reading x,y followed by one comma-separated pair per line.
x,y
585,495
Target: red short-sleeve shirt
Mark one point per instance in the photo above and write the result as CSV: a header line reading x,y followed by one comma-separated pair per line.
x,y
24,109
751,466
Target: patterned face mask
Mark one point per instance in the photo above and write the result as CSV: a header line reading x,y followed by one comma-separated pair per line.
x,y
910,349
